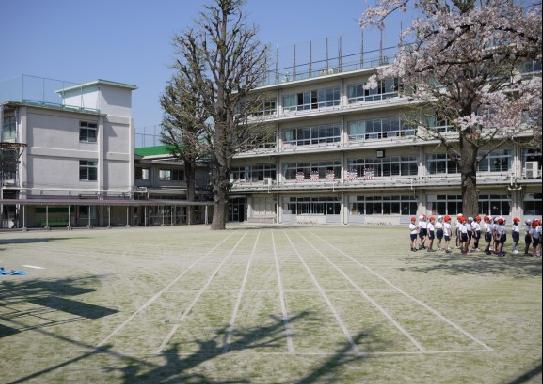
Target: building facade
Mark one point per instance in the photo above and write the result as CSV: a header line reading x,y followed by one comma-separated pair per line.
x,y
343,154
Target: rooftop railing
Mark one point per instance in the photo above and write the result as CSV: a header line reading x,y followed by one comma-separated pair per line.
x,y
45,92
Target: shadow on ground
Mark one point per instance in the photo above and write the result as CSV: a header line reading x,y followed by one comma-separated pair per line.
x,y
37,240
519,266
528,375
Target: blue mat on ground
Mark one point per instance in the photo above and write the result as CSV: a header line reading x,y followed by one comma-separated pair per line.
x,y
4,271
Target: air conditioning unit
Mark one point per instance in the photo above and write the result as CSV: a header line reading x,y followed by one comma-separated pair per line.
x,y
531,169
268,181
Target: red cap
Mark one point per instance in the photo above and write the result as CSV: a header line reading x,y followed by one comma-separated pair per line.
x,y
413,218
478,218
516,220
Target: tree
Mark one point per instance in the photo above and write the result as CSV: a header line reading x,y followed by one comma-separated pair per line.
x,y
462,65
222,61
182,130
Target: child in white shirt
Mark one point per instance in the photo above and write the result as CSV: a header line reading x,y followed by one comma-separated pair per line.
x,y
439,230
515,234
447,232
413,231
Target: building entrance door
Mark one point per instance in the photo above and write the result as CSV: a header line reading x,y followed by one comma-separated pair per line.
x,y
236,209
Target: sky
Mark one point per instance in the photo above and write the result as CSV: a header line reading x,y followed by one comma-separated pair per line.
x,y
130,41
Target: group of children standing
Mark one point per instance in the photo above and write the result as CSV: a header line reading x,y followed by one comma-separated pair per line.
x,y
468,232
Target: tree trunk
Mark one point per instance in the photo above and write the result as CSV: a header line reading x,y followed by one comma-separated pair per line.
x,y
468,173
220,198
190,177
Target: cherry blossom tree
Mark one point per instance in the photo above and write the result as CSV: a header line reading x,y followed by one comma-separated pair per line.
x,y
463,63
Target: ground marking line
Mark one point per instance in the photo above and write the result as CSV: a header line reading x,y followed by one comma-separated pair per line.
x,y
159,293
339,320
197,297
368,298
423,304
321,353
282,300
235,310
32,266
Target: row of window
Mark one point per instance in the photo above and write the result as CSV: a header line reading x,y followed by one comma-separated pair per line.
x,y
385,205
314,205
175,174
488,204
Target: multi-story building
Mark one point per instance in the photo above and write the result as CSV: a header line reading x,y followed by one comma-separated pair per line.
x,y
77,166
343,154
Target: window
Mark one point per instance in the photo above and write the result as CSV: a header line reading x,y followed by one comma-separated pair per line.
x,y
531,155
142,173
385,167
88,170
386,205
9,127
267,108
532,204
170,174
256,172
379,128
87,132
446,204
314,205
385,89
441,164
317,135
438,125
496,161
314,99
494,205
324,170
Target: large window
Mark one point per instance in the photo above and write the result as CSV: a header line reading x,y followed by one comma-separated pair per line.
x,y
438,125
170,174
323,170
494,204
9,127
87,132
314,205
379,128
385,89
314,99
256,172
142,173
88,170
266,108
496,161
385,167
317,135
385,205
441,164
532,204
531,155
447,205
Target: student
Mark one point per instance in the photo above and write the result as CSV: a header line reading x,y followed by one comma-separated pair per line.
x,y
431,233
500,236
423,232
496,240
413,230
464,238
515,234
535,232
488,234
447,232
527,236
470,231
457,234
439,231
476,233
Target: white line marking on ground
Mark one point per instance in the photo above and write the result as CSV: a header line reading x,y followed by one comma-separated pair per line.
x,y
339,320
282,300
414,341
159,293
32,266
198,295
235,310
428,307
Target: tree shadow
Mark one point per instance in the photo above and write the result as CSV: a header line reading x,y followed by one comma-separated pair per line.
x,y
518,266
178,363
37,240
528,375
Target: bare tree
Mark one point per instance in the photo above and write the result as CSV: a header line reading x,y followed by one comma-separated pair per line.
x,y
463,66
222,61
183,130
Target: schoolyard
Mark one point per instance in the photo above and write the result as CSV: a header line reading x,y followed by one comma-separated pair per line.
x,y
263,305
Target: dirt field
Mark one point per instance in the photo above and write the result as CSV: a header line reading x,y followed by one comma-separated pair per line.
x,y
263,305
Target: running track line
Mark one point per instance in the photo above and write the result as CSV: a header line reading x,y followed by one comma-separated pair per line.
x,y
339,320
198,295
368,298
423,304
282,300
159,293
240,296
